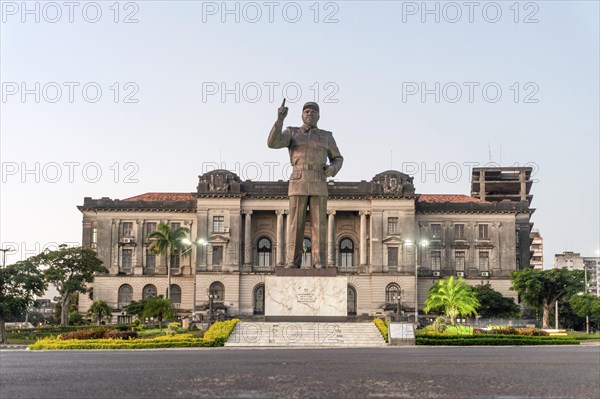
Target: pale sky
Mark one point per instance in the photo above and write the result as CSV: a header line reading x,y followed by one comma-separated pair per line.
x,y
104,100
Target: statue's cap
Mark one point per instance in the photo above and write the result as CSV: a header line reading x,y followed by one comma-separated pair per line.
x,y
311,105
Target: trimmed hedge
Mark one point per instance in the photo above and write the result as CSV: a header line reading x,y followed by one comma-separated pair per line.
x,y
383,328
215,336
491,340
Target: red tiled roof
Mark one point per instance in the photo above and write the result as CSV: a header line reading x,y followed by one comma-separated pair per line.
x,y
153,197
451,198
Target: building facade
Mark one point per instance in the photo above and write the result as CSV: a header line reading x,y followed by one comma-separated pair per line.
x,y
388,241
590,265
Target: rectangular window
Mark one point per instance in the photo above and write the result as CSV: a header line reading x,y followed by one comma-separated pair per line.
x,y
175,225
150,262
392,225
459,257
94,235
436,231
150,227
217,252
175,261
392,256
126,258
459,231
484,261
483,232
436,260
218,224
127,229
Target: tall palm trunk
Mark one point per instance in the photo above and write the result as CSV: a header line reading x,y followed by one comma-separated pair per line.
x,y
168,275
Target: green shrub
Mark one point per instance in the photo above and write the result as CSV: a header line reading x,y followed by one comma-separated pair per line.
x,y
137,325
173,327
382,325
460,330
440,324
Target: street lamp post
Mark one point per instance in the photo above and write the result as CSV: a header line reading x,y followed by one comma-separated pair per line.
x,y
204,243
398,299
416,245
210,306
4,251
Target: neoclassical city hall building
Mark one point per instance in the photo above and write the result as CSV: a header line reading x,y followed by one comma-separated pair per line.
x,y
385,238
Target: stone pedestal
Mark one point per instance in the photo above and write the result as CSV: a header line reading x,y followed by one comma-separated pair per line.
x,y
401,334
306,298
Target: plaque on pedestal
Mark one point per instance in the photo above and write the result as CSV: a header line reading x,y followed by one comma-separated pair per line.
x,y
402,334
311,298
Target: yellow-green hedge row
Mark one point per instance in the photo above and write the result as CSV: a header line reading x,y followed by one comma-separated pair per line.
x,y
215,336
383,328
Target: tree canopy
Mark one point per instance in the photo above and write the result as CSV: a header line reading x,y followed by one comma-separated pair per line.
x,y
493,304
541,288
454,296
19,284
69,269
99,311
159,307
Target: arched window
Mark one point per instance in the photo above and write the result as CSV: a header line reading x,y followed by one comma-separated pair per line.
x,y
218,291
125,295
391,291
346,253
149,291
175,293
264,250
259,299
307,255
351,301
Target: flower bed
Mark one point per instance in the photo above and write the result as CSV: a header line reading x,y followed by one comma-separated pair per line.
x,y
215,336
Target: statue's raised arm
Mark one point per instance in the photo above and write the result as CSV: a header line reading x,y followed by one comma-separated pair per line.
x,y
276,137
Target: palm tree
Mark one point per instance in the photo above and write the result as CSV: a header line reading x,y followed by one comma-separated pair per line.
x,y
167,242
159,307
456,297
99,310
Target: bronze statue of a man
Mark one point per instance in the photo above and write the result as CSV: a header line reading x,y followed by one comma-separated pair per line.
x,y
310,148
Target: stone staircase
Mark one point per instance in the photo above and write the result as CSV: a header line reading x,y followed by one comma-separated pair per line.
x,y
305,334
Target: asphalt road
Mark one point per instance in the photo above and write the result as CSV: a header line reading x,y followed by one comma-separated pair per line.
x,y
414,372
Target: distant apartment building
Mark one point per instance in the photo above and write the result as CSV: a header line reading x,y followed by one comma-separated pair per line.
x,y
568,260
537,250
592,268
574,261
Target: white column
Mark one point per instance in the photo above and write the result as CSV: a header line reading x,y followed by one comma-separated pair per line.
x,y
248,238
280,259
331,238
363,238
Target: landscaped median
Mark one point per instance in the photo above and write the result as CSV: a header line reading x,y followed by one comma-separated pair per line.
x,y
216,335
491,340
469,336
